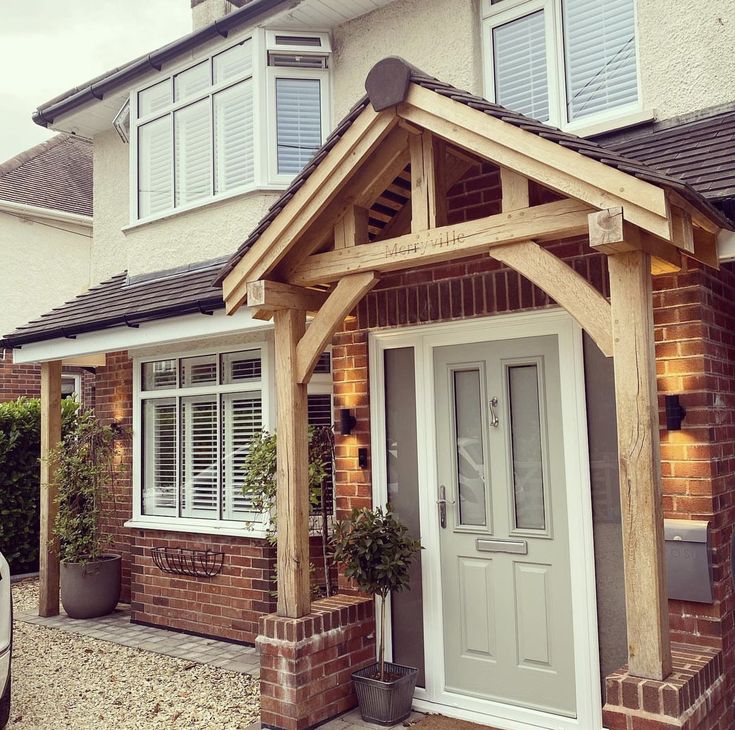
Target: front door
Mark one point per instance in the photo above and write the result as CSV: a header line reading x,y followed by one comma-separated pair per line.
x,y
501,505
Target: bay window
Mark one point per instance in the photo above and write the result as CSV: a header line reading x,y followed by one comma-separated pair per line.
x,y
572,63
248,117
197,416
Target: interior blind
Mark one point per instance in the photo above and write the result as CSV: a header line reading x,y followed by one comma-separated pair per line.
x,y
199,496
159,458
242,421
234,147
193,152
320,414
519,58
601,64
155,167
298,122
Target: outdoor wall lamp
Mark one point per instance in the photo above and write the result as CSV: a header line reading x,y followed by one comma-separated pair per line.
x,y
675,413
346,422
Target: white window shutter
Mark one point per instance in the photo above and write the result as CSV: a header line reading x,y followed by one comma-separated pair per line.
x,y
298,122
200,467
234,145
193,138
242,421
600,49
519,60
159,458
155,167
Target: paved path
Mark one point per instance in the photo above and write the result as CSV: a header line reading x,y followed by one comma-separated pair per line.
x,y
118,629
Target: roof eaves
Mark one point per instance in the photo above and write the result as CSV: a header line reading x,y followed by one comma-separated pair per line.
x,y
96,88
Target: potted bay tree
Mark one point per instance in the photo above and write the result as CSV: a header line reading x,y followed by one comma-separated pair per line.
x,y
377,550
84,467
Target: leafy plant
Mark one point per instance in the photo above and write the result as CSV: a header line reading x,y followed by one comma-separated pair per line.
x,y
260,482
20,472
84,465
377,551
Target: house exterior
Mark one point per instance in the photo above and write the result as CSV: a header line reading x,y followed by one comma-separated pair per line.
x,y
505,291
46,240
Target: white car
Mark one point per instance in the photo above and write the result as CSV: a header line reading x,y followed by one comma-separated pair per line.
x,y
6,640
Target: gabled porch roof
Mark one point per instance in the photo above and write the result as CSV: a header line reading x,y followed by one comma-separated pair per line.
x,y
407,84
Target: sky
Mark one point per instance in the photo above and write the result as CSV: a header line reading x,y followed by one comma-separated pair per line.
x,y
49,46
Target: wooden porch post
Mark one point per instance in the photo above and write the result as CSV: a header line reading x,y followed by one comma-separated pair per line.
x,y
649,651
292,503
48,599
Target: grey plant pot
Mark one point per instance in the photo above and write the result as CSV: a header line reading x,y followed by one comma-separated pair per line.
x,y
90,589
385,703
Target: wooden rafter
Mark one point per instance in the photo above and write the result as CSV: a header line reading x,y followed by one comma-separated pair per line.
x,y
269,296
344,298
550,164
352,228
548,221
564,285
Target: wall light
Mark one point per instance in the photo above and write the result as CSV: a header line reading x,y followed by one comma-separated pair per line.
x,y
346,422
675,413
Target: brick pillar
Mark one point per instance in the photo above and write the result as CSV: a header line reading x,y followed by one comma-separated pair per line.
x,y
306,664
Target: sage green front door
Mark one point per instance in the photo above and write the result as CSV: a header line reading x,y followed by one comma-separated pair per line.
x,y
501,506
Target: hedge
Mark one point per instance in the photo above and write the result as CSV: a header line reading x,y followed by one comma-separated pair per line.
x,y
20,446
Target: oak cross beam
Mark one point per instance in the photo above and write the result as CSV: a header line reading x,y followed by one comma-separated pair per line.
x,y
551,220
267,296
340,303
564,285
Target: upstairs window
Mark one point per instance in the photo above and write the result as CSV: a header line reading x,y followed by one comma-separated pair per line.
x,y
249,116
571,63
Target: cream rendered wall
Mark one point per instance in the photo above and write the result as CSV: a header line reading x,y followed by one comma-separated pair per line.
x,y
43,266
201,234
686,54
439,37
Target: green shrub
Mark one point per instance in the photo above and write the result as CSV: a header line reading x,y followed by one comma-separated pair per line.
x,y
20,473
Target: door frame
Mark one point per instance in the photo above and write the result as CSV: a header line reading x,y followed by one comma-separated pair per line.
x,y
424,338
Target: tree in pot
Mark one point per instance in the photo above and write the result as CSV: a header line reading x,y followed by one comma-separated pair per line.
x,y
84,466
377,551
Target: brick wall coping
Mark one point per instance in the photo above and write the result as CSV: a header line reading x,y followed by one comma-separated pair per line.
x,y
696,669
326,614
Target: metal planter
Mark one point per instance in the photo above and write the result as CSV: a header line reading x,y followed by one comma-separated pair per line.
x,y
385,703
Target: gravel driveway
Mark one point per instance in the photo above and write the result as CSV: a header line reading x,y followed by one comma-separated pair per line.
x,y
63,681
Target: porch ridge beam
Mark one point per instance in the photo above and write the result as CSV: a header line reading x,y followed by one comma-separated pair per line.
x,y
564,285
549,221
358,142
348,292
48,598
546,162
639,457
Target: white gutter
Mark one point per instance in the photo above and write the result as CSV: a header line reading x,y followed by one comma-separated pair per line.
x,y
193,327
34,211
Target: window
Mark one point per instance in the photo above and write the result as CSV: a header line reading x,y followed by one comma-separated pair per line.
x,y
197,416
247,117
71,386
572,63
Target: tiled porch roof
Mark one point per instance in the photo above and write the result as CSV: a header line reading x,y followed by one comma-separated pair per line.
x,y
588,148
119,302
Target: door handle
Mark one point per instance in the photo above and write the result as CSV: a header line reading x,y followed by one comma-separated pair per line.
x,y
494,420
443,502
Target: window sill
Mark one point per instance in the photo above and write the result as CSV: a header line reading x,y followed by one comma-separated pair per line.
x,y
611,124
206,203
256,533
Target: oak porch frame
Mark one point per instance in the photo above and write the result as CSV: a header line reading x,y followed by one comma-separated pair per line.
x,y
639,226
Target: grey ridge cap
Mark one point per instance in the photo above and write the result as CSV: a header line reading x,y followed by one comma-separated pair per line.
x,y
387,85
96,88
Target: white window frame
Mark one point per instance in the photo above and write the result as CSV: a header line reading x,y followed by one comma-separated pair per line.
x,y
265,170
77,378
257,523
500,13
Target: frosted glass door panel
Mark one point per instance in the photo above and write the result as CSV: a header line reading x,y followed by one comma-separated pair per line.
x,y
469,447
528,468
